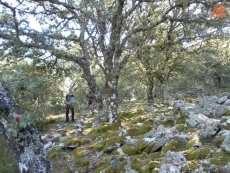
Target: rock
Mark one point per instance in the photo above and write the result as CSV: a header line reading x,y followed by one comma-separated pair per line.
x,y
226,143
26,145
222,99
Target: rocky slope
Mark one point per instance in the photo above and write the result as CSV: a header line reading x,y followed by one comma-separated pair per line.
x,y
172,137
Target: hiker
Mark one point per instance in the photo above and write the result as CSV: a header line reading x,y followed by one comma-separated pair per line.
x,y
90,100
68,98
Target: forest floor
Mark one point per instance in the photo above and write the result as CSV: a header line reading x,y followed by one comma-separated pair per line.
x,y
64,160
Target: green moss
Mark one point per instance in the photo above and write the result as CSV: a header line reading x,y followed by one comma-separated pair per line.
x,y
219,140
192,142
7,161
156,155
113,142
83,163
152,166
140,163
148,149
53,154
136,131
106,165
124,115
140,145
132,131
118,169
168,123
101,129
198,154
129,150
172,146
180,127
115,126
129,114
191,166
79,152
181,120
220,158
98,146
102,165
143,129
136,165
42,125
137,120
76,141
228,112
225,127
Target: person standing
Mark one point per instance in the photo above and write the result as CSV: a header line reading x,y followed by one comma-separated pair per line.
x,y
68,98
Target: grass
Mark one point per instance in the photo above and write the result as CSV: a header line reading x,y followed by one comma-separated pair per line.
x,y
8,164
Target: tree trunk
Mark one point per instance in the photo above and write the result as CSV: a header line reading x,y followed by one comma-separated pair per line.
x,y
150,92
24,141
217,82
112,100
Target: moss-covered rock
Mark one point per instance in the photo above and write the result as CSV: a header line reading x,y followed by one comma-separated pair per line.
x,y
228,112
219,140
180,127
191,142
132,131
101,129
113,143
148,149
168,123
199,154
129,150
181,120
156,155
143,129
220,158
192,165
140,145
226,127
140,163
172,146
111,165
97,146
76,141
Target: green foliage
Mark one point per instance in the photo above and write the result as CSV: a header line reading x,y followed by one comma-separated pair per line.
x,y
27,119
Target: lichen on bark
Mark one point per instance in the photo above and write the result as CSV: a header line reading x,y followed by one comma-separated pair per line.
x,y
25,142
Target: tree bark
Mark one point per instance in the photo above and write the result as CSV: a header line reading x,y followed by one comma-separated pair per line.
x,y
150,86
23,141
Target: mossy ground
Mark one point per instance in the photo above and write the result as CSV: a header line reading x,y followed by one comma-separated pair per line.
x,y
8,164
97,152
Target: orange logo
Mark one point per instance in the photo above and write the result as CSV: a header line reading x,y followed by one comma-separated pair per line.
x,y
219,11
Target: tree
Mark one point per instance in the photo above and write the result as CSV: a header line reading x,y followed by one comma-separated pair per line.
x,y
22,136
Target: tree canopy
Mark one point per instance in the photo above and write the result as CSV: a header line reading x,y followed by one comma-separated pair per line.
x,y
100,37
